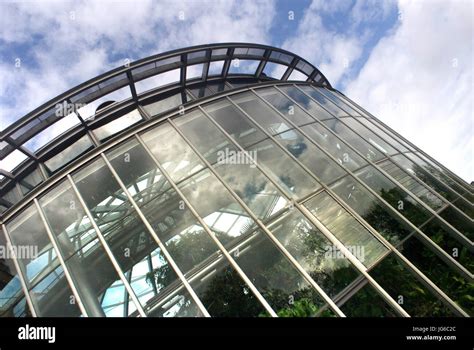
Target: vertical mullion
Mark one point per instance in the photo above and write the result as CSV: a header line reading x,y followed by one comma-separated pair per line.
x,y
19,273
106,247
283,250
156,238
444,297
210,233
54,243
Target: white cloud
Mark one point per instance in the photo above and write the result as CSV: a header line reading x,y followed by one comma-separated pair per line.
x,y
419,81
71,42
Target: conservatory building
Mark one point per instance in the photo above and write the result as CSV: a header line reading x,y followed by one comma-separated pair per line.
x,y
226,180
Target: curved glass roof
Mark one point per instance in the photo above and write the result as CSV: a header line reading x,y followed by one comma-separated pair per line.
x,y
82,116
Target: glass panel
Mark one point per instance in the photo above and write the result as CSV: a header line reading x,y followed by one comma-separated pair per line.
x,y
325,169
260,113
364,147
366,302
439,187
370,136
28,233
404,288
360,242
67,155
461,223
395,196
12,298
239,66
177,304
215,67
301,97
412,185
112,128
53,297
305,102
324,263
271,273
234,123
283,169
164,104
383,134
339,102
285,106
176,157
120,225
389,225
235,167
339,150
454,285
30,181
67,219
445,240
186,240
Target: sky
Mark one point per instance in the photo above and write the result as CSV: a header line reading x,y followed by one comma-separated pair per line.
x,y
409,63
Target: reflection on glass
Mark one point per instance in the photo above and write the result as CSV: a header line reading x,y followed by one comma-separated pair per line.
x,y
235,168
261,113
365,148
177,157
325,169
362,244
81,146
405,289
235,123
283,169
338,101
324,263
112,128
67,219
461,223
312,107
334,146
440,188
188,243
12,298
52,296
286,107
389,225
27,231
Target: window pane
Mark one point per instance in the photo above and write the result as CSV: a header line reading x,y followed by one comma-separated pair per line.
x,y
234,123
262,114
364,147
362,244
307,103
389,225
312,107
325,169
234,166
284,170
285,106
188,243
175,156
334,146
327,266
12,298
67,219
